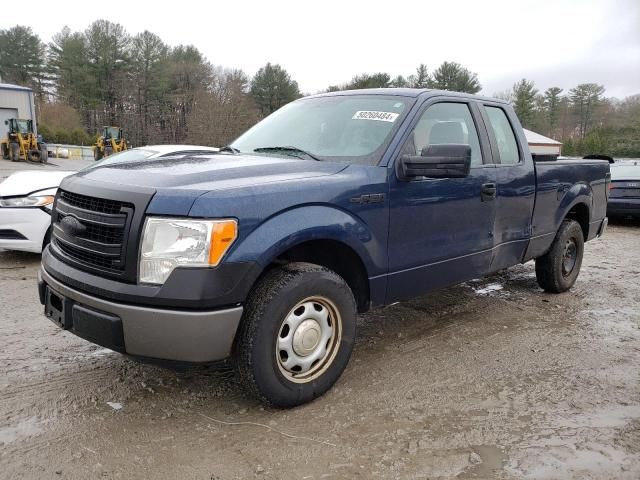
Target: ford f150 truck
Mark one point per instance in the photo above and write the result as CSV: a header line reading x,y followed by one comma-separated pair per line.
x,y
336,203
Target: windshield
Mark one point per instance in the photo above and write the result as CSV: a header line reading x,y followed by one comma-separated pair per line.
x,y
351,128
133,155
23,126
112,132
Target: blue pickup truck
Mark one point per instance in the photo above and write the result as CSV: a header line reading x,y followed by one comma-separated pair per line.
x,y
266,251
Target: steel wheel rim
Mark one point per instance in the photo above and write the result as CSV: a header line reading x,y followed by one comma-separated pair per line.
x,y
308,339
569,257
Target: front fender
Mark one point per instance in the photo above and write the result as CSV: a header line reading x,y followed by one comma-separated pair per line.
x,y
311,222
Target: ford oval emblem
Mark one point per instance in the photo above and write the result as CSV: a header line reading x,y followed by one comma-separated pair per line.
x,y
72,226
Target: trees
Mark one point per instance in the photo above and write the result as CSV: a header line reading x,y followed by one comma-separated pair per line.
x,y
453,76
272,87
552,107
158,94
524,101
224,111
149,73
584,100
421,78
107,52
22,58
70,71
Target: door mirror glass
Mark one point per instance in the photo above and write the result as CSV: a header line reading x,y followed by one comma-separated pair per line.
x,y
444,160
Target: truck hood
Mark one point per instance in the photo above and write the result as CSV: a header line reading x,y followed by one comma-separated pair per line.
x,y
174,184
206,173
24,183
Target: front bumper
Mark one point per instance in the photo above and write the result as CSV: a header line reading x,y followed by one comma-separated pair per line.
x,y
30,223
154,332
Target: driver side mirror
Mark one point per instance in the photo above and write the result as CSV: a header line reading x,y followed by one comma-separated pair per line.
x,y
447,160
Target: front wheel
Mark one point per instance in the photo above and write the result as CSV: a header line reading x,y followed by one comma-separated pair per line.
x,y
34,155
296,335
558,269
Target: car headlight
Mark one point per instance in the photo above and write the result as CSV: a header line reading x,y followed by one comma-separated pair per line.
x,y
168,243
31,201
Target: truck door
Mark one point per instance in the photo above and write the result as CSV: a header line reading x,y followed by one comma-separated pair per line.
x,y
516,186
440,230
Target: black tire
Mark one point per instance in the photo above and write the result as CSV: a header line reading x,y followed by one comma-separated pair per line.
x,y
270,305
14,151
5,151
44,153
558,269
97,154
34,156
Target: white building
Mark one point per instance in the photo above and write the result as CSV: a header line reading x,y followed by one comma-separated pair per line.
x,y
541,145
16,102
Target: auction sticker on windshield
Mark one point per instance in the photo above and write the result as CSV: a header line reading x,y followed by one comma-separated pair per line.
x,y
378,116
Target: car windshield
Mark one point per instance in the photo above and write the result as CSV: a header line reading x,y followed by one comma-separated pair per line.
x,y
112,132
625,172
23,126
349,128
133,155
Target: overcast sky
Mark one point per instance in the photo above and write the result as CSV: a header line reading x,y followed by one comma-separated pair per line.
x,y
321,43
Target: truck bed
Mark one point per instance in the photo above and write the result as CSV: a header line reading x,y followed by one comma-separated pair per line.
x,y
559,185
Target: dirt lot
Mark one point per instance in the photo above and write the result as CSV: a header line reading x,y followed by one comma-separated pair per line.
x,y
490,379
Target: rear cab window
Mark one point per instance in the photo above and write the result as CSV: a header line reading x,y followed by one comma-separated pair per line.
x,y
507,145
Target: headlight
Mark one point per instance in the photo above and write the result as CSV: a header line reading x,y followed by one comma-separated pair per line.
x,y
34,201
168,243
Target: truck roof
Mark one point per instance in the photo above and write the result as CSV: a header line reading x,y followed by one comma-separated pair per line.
x,y
407,92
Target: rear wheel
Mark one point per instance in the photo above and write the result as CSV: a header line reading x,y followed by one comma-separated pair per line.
x,y
5,151
97,154
296,335
14,151
558,269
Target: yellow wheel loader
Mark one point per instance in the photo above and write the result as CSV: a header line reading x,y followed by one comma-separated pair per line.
x,y
22,143
111,141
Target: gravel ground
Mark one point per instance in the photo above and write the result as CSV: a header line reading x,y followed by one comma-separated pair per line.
x,y
489,379
54,164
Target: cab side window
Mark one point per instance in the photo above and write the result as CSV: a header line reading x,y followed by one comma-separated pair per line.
x,y
507,144
445,123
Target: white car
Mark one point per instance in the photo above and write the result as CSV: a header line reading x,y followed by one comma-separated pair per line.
x,y
26,198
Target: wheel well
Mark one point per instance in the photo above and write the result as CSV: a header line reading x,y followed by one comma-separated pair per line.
x,y
338,257
580,213
47,238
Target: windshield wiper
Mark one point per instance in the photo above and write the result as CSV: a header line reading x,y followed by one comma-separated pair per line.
x,y
229,148
292,150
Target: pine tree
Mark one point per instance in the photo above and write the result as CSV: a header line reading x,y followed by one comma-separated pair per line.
x,y
272,87
455,77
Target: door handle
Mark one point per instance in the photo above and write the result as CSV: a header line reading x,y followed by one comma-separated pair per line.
x,y
488,192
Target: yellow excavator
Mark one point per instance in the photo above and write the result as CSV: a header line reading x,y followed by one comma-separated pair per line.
x,y
21,142
111,141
